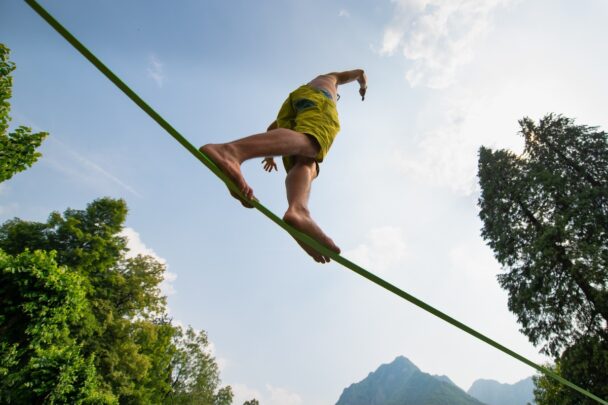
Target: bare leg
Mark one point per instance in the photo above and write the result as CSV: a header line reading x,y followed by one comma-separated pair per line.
x,y
278,142
298,184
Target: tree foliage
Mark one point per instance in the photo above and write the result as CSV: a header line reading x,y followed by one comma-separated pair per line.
x,y
195,372
40,360
17,148
545,215
119,328
585,362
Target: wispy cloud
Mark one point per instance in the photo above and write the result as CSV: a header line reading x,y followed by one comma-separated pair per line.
x,y
344,13
270,395
446,153
437,36
155,70
137,247
282,396
76,165
383,248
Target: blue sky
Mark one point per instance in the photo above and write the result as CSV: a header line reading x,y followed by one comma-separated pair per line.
x,y
397,192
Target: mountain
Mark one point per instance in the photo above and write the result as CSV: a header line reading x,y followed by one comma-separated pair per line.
x,y
494,393
402,383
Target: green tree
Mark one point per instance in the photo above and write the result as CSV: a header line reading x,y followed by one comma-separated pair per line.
x,y
585,361
18,148
251,402
545,215
137,353
547,391
195,372
40,360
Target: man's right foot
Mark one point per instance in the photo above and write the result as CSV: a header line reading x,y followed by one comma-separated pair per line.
x,y
227,163
304,223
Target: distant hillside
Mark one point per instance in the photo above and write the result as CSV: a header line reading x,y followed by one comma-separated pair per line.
x,y
494,393
402,383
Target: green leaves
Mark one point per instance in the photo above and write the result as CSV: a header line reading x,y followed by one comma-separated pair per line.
x,y
18,148
40,359
586,360
545,215
97,315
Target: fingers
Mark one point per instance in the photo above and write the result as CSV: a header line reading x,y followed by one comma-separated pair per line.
x,y
268,167
362,92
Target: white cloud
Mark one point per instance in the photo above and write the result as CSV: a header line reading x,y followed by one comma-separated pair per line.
x,y
476,263
244,393
137,247
270,395
390,42
222,362
155,70
437,36
485,113
344,13
78,166
446,154
384,248
282,396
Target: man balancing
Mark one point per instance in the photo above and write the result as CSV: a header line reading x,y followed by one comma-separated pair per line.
x,y
302,134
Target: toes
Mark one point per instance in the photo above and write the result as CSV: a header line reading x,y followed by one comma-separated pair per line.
x,y
243,202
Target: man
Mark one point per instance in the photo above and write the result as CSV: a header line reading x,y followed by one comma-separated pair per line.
x,y
302,134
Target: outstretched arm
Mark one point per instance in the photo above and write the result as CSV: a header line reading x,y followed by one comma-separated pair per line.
x,y
350,76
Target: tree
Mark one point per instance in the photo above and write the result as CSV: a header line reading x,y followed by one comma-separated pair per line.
x,y
585,361
18,148
545,215
40,360
195,372
251,402
547,391
135,350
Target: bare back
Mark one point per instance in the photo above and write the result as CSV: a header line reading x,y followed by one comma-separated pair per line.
x,y
326,82
330,81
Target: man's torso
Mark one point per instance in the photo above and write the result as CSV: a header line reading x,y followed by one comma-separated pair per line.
x,y
325,82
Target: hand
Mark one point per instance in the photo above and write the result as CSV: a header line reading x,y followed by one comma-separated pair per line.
x,y
269,164
362,91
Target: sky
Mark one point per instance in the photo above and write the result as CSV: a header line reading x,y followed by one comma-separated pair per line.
x,y
398,191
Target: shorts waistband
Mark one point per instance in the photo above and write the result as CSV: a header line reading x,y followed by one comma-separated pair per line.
x,y
325,92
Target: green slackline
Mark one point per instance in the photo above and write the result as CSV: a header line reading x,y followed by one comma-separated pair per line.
x,y
292,231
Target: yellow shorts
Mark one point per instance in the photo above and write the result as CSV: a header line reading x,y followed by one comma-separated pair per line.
x,y
310,111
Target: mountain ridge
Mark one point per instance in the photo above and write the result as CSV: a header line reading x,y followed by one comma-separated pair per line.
x,y
495,393
401,382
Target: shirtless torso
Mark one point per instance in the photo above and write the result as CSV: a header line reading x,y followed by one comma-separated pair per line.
x,y
326,82
331,81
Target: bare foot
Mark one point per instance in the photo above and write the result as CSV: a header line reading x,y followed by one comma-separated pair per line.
x,y
221,156
303,222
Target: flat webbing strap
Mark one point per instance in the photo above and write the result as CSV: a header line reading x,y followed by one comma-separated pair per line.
x,y
292,231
